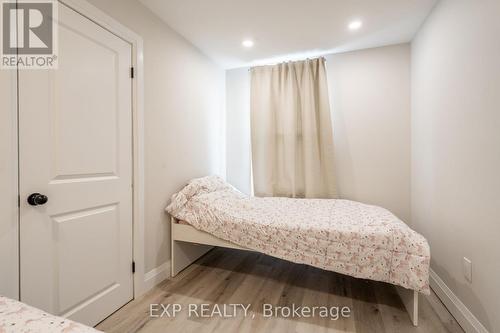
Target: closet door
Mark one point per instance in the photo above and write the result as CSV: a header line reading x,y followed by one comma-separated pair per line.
x,y
75,146
9,236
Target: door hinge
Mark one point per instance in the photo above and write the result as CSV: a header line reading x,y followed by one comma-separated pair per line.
x,y
18,200
133,266
131,72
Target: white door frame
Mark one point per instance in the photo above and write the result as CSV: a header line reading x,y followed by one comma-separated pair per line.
x,y
96,15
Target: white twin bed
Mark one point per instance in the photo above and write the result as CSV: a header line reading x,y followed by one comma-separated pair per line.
x,y
343,236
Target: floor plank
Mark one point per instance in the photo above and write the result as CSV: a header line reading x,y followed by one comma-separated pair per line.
x,y
227,276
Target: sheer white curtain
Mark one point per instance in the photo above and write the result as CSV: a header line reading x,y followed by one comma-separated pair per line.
x,y
292,140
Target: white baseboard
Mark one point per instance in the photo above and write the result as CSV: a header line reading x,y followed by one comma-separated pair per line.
x,y
458,309
156,275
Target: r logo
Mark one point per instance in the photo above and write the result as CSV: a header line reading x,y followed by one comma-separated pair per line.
x,y
27,28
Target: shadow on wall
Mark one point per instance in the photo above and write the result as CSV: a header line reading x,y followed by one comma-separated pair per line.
x,y
344,173
453,284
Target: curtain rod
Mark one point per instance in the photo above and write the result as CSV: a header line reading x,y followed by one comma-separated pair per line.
x,y
287,62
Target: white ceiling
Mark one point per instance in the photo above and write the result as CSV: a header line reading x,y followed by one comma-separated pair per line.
x,y
289,29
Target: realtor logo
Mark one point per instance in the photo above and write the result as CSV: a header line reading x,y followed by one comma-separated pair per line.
x,y
29,34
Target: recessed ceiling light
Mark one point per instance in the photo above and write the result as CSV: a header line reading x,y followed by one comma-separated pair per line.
x,y
355,25
247,43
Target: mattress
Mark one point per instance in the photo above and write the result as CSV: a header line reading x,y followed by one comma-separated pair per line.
x,y
343,236
19,317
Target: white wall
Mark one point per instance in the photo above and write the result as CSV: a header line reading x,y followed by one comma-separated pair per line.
x,y
370,97
238,143
184,117
456,148
8,186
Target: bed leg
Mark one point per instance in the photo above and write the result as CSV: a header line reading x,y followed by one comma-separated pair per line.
x,y
410,302
183,254
173,261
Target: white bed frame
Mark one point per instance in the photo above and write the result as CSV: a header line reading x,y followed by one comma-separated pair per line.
x,y
188,244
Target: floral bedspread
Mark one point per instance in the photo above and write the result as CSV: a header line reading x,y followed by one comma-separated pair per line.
x,y
343,236
17,317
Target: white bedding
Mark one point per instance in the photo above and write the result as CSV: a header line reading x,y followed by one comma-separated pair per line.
x,y
17,317
344,236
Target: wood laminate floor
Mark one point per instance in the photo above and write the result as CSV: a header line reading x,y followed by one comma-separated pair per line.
x,y
225,276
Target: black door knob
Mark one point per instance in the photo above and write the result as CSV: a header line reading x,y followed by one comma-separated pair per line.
x,y
36,199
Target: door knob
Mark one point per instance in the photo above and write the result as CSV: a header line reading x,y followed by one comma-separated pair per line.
x,y
36,199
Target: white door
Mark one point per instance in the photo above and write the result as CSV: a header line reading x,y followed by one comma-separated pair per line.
x,y
75,147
